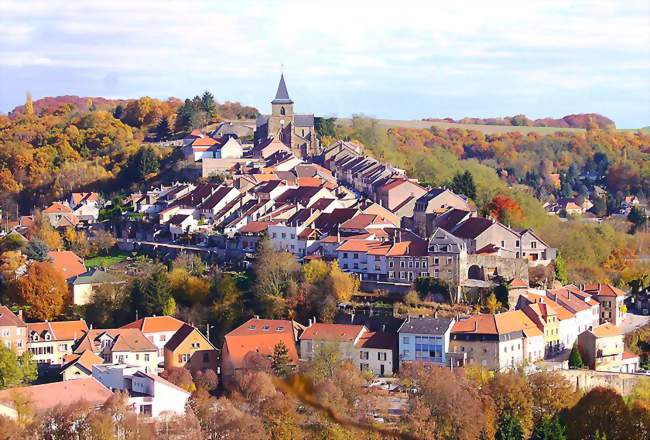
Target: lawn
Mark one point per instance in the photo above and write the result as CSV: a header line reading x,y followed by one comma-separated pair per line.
x,y
113,258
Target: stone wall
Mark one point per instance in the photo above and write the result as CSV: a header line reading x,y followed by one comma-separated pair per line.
x,y
491,265
584,380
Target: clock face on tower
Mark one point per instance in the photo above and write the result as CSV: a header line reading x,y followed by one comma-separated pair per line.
x,y
281,121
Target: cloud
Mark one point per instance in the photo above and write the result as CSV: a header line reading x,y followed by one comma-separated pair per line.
x,y
435,49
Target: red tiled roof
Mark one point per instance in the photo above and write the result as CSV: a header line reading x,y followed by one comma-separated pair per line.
x,y
409,248
358,245
86,359
332,332
255,227
9,318
606,330
69,263
380,340
603,290
125,339
80,197
204,142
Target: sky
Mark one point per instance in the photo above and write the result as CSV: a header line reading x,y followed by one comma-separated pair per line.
x,y
388,59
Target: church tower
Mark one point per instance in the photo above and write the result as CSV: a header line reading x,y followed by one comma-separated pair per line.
x,y
282,105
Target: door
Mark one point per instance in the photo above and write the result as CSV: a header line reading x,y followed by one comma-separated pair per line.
x,y
381,370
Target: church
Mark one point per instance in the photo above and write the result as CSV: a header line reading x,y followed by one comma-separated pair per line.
x,y
296,131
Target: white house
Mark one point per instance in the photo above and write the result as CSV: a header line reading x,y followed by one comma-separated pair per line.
x,y
149,395
159,330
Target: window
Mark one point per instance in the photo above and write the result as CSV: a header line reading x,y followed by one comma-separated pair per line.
x,y
293,236
345,255
146,357
405,340
282,111
401,264
364,366
381,356
356,265
5,332
363,355
206,358
424,263
184,358
533,244
417,264
275,235
436,261
410,264
137,356
391,274
517,243
424,274
162,338
391,263
355,256
449,260
503,244
402,275
63,347
284,235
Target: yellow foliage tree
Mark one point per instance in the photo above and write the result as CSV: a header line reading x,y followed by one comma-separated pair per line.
x,y
43,230
315,271
341,284
188,288
491,303
29,105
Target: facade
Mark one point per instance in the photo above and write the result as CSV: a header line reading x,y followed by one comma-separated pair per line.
x,y
159,330
425,340
189,349
611,301
121,346
294,130
602,348
344,336
254,342
497,342
376,352
447,257
84,286
50,342
13,331
77,366
430,205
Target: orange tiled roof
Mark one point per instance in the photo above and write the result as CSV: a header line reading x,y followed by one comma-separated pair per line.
x,y
607,330
60,330
156,324
125,339
516,320
47,396
9,318
479,324
86,359
204,142
332,332
57,208
84,197
69,263
356,245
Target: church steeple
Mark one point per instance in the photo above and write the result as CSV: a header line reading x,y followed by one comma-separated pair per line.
x,y
282,96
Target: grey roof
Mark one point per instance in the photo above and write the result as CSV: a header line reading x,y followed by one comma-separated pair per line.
x,y
282,96
426,326
95,276
261,120
303,120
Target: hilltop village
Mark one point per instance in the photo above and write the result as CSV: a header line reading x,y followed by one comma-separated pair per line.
x,y
351,261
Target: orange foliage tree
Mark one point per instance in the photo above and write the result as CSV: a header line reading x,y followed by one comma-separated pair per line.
x,y
43,290
505,209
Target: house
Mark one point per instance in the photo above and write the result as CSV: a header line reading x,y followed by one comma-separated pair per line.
x,y
68,263
77,366
435,202
534,249
47,396
188,348
376,352
159,330
83,286
497,342
447,257
149,394
611,301
585,309
425,340
13,330
85,205
396,192
50,342
344,337
480,233
254,342
558,323
603,349
60,215
120,346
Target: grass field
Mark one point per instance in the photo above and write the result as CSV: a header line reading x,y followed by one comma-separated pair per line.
x,y
487,129
109,260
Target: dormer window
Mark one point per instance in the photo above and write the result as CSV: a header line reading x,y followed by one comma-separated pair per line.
x,y
279,328
47,337
35,337
266,328
251,327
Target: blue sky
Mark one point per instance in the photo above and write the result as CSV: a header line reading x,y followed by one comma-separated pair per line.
x,y
401,60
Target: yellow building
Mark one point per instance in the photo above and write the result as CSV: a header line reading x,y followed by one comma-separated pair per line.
x,y
188,348
546,318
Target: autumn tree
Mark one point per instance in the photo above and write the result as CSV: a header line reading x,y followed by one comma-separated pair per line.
x,y
205,379
491,304
103,241
188,289
77,242
601,410
42,229
180,377
108,306
228,303
37,250
273,272
513,398
325,361
43,290
29,104
505,209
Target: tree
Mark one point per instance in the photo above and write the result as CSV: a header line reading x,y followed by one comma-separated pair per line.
x,y
143,163
552,393
549,429
108,307
281,364
326,359
163,129
205,379
42,229
228,304
464,184
561,272
37,250
601,410
513,397
273,271
103,241
10,372
341,284
491,304
118,112
152,296
43,290
638,217
509,428
208,104
575,359
505,209
179,376
29,105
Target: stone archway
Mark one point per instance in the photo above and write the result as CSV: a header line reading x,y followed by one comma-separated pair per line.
x,y
475,273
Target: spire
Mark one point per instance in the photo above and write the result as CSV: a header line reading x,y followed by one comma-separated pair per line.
x,y
282,96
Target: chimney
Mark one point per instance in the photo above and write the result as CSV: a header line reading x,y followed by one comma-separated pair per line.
x,y
20,314
309,323
383,328
435,314
257,316
475,326
352,318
